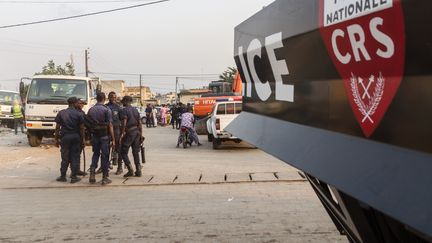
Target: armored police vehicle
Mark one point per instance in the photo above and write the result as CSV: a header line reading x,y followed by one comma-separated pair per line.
x,y
341,89
47,95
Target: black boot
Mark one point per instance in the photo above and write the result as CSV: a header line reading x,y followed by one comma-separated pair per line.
x,y
62,178
119,168
105,180
92,178
138,172
75,179
130,172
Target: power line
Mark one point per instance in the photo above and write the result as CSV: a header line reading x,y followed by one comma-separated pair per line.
x,y
69,2
82,15
196,75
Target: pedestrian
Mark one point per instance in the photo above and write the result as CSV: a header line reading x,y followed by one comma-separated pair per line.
x,y
18,115
116,110
149,116
69,134
155,120
187,121
174,116
131,136
163,115
101,133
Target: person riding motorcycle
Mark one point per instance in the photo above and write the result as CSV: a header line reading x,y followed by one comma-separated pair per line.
x,y
187,122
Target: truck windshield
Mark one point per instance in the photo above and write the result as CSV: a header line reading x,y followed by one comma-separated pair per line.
x,y
7,98
56,91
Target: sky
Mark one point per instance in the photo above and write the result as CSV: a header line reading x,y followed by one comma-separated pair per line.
x,y
175,37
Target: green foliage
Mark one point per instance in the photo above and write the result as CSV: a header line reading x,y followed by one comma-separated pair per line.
x,y
52,69
229,74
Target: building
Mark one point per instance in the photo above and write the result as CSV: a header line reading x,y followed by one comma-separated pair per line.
x,y
188,96
135,93
117,86
168,99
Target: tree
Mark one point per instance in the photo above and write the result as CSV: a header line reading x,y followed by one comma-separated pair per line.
x,y
228,75
52,69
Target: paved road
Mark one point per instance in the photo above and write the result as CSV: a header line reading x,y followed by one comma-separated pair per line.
x,y
175,206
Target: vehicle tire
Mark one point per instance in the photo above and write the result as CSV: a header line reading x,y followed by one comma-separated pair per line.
x,y
185,142
34,140
210,137
216,143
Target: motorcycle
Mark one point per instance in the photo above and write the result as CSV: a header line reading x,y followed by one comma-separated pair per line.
x,y
185,137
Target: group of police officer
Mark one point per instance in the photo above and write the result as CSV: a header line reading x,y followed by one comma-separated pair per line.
x,y
111,123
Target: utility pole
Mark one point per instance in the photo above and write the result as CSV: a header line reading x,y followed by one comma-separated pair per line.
x,y
176,96
86,63
141,94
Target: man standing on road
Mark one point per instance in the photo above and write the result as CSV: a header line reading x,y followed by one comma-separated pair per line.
x,y
116,110
149,116
68,135
175,116
102,116
131,136
18,115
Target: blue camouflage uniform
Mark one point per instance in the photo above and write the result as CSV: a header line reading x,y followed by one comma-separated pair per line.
x,y
70,121
132,138
101,142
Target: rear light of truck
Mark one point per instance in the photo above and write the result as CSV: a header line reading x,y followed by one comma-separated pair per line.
x,y
218,124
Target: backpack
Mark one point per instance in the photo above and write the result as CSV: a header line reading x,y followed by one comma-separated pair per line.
x,y
94,127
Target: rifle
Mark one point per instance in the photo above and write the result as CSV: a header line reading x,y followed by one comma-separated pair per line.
x,y
84,157
143,160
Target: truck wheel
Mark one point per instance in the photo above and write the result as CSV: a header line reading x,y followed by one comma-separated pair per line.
x,y
34,140
216,143
210,137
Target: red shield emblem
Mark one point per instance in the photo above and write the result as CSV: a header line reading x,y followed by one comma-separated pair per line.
x,y
366,41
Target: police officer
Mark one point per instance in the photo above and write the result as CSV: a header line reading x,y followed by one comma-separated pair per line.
x,y
100,138
131,136
116,110
68,135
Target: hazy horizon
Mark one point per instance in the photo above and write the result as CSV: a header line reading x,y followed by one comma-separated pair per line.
x,y
175,37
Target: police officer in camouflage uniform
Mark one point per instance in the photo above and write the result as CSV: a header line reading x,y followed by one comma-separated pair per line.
x,y
131,136
69,136
101,138
116,110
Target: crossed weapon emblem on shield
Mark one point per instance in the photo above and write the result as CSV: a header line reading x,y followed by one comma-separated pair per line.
x,y
374,98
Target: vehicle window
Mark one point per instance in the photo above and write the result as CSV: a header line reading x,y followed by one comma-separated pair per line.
x,y
220,109
230,109
238,108
56,90
7,98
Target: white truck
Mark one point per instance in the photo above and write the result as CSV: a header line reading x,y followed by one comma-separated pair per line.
x,y
224,111
47,95
7,99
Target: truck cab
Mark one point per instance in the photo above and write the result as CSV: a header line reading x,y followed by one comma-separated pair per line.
x,y
224,112
7,99
47,95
